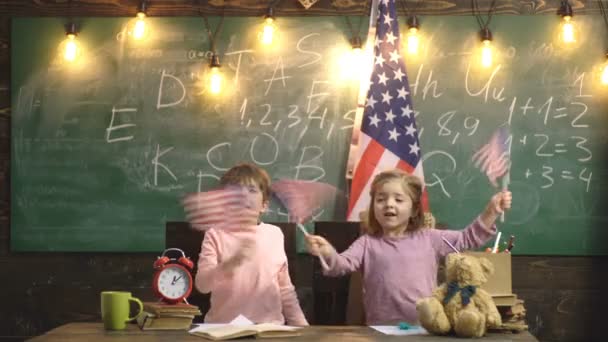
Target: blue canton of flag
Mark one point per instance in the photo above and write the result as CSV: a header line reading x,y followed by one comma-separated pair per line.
x,y
389,134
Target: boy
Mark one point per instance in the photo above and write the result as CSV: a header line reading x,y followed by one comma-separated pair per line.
x,y
245,268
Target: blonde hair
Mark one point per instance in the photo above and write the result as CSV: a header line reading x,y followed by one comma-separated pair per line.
x,y
246,173
412,186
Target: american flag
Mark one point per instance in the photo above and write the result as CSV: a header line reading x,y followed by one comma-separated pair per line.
x,y
225,208
389,137
493,157
303,198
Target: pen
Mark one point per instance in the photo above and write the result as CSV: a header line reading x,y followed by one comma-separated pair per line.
x,y
495,249
510,244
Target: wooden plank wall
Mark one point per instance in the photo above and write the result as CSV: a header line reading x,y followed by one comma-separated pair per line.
x,y
564,296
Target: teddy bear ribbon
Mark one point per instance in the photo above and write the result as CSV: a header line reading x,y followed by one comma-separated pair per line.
x,y
466,292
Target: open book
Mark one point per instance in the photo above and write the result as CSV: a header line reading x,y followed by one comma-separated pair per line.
x,y
229,331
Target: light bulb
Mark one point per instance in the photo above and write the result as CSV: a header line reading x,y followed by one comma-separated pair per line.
x,y
71,48
268,31
215,81
604,79
412,41
486,54
567,29
139,29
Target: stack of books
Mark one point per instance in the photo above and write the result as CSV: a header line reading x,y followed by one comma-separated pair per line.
x,y
162,316
513,316
504,299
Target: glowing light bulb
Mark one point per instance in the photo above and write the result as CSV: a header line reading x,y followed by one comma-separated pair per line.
x,y
71,48
486,54
215,80
413,41
604,78
268,31
567,30
352,60
139,29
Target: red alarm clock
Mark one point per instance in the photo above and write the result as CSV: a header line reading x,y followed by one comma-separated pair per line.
x,y
173,279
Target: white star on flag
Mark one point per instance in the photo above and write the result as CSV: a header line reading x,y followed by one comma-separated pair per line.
x,y
382,78
393,134
399,76
390,38
394,56
386,97
390,116
406,111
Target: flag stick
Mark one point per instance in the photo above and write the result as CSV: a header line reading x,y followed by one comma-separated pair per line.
x,y
449,244
505,187
321,259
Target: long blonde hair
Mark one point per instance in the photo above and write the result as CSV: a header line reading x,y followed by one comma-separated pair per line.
x,y
412,186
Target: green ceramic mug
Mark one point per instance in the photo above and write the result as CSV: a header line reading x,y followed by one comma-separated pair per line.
x,y
115,309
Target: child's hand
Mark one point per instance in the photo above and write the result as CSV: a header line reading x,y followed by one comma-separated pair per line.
x,y
245,251
500,202
318,246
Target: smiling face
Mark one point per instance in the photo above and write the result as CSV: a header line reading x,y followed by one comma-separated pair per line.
x,y
392,207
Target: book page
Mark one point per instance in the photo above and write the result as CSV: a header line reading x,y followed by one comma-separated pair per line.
x,y
273,327
224,332
275,330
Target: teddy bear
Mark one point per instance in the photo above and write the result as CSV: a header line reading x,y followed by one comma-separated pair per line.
x,y
460,305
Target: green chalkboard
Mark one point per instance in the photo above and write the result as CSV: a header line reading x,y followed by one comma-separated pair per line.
x,y
101,152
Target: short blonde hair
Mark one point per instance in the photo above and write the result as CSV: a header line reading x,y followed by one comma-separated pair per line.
x,y
412,186
246,173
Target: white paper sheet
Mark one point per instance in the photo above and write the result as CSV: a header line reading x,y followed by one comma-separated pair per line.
x,y
239,320
394,330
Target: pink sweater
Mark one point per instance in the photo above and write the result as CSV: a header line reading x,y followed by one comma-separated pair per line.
x,y
260,288
399,271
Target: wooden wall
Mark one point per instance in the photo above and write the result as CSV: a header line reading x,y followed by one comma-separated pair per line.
x,y
564,296
282,7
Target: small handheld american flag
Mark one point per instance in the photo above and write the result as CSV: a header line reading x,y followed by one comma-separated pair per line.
x,y
493,157
303,198
221,209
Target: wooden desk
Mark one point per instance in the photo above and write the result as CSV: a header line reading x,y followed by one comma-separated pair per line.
x,y
93,332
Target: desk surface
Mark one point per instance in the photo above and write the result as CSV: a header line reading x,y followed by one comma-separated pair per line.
x,y
92,332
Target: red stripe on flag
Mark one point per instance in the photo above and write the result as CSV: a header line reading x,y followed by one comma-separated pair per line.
x,y
364,171
222,209
402,165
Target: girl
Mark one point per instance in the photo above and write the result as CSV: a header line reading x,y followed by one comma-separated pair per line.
x,y
399,260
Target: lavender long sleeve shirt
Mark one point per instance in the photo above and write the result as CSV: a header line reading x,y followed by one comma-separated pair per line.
x,y
399,271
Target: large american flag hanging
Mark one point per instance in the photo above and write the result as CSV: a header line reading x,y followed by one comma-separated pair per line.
x,y
389,137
